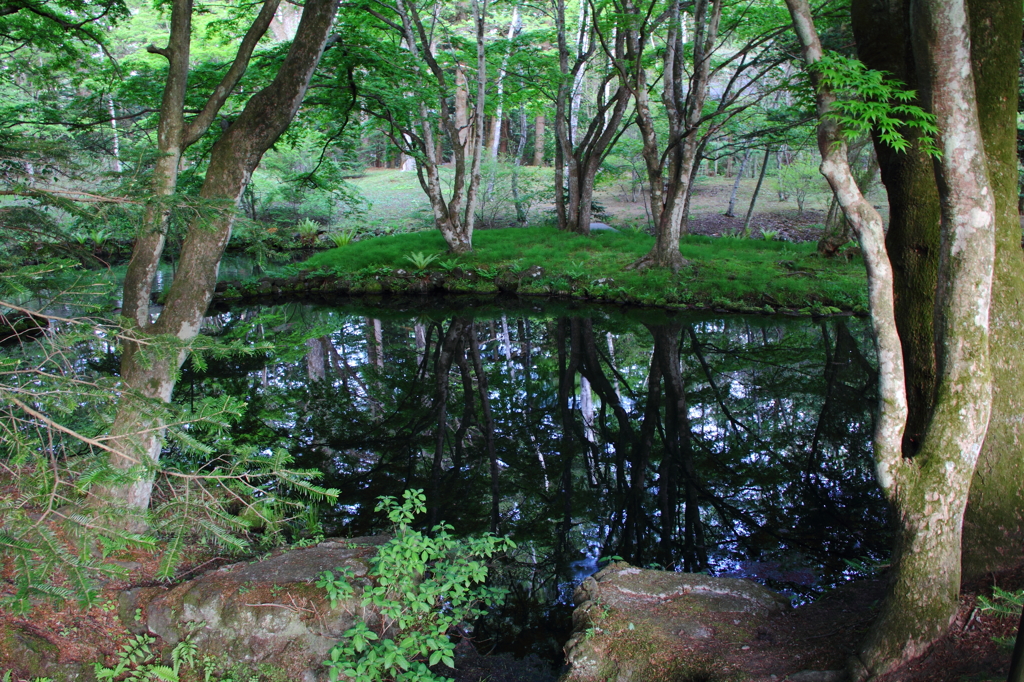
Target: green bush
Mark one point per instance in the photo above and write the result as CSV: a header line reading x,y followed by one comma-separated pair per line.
x,y
420,589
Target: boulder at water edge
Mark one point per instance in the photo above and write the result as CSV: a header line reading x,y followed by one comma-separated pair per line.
x,y
264,613
637,625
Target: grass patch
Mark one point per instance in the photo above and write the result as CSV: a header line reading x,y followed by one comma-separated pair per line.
x,y
723,272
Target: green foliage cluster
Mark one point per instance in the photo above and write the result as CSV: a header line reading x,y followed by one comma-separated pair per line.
x,y
139,661
54,447
871,101
421,588
1003,603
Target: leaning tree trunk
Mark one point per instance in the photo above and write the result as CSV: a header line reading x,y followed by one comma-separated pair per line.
x,y
757,191
928,492
174,136
149,372
731,211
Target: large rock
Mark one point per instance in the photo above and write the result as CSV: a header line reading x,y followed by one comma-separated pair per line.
x,y
635,625
38,658
264,612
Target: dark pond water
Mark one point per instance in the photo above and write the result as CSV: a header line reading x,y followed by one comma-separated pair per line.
x,y
731,445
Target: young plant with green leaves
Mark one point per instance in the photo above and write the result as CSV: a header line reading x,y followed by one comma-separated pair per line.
x,y
870,101
421,588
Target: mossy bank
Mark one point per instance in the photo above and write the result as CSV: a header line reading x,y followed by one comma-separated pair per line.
x,y
727,273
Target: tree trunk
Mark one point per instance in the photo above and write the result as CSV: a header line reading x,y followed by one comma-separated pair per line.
x,y
517,200
454,217
757,191
993,524
731,211
174,136
993,537
927,492
670,174
578,156
538,140
232,161
513,30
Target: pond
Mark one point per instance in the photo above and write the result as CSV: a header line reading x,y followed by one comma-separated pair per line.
x,y
735,445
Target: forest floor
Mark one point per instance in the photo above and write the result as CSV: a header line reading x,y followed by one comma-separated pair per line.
x,y
816,636
398,204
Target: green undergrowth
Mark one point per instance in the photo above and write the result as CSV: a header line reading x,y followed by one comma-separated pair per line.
x,y
722,272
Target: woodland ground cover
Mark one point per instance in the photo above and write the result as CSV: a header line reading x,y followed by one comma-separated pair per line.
x,y
776,269
729,272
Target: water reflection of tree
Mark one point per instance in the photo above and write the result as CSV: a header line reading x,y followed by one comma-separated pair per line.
x,y
705,442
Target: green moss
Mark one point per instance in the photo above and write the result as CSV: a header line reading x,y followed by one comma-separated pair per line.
x,y
730,273
639,653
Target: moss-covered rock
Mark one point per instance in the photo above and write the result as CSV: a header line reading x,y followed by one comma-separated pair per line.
x,y
265,612
634,625
32,656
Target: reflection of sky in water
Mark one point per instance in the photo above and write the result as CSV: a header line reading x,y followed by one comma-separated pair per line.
x,y
763,513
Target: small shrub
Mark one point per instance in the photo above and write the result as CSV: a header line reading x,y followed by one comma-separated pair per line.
x,y
421,588
341,239
420,260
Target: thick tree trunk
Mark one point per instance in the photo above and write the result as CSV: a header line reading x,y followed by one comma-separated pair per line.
x,y
993,536
929,491
149,244
232,160
174,136
994,521
883,42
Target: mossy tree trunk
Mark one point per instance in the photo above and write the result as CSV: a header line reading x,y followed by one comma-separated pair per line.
x,y
927,491
993,536
993,524
149,368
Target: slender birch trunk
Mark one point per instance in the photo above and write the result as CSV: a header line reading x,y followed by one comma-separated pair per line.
x,y
514,27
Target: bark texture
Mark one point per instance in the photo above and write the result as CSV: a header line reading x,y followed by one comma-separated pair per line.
x,y
927,492
149,369
993,524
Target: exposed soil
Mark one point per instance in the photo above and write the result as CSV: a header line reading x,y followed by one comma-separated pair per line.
x,y
817,636
708,206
